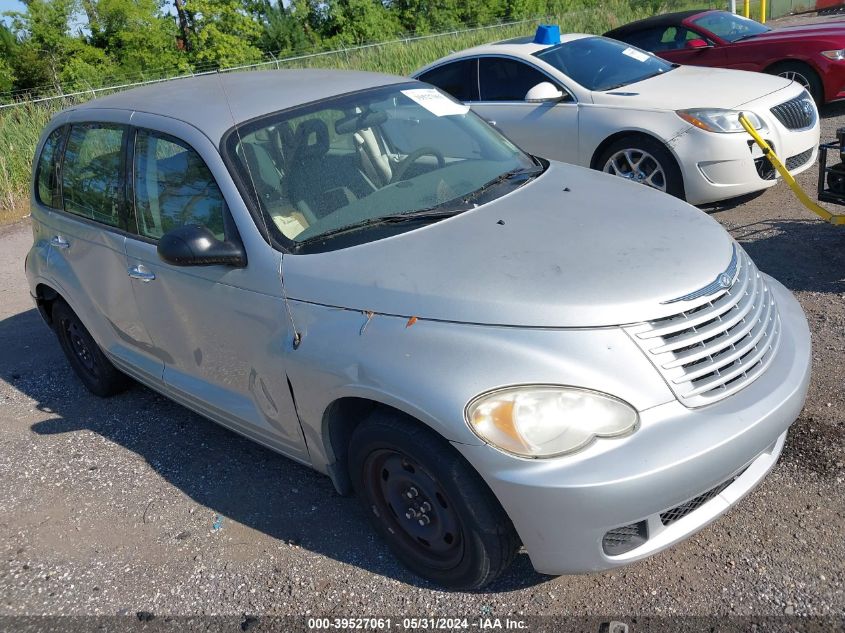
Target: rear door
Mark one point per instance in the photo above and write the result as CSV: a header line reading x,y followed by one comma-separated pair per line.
x,y
87,224
221,330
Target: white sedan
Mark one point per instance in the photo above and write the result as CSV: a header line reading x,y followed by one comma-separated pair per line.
x,y
599,103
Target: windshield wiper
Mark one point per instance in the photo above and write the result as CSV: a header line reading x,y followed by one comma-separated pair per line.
x,y
745,37
508,175
443,210
651,76
395,218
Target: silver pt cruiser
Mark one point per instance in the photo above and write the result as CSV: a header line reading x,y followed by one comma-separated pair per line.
x,y
489,348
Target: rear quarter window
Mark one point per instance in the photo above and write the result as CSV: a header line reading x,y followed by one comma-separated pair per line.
x,y
46,181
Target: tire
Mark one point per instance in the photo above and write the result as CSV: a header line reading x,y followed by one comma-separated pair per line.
x,y
404,473
803,74
645,156
84,355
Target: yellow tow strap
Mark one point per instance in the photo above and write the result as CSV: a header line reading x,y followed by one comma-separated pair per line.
x,y
812,205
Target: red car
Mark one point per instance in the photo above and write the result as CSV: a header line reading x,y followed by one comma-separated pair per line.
x,y
811,54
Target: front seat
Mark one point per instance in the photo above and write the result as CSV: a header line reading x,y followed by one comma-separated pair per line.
x,y
307,172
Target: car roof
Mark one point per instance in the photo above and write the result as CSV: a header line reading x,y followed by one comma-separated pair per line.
x,y
665,19
516,47
214,103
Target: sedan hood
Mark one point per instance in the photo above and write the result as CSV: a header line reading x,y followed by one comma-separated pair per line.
x,y
692,87
826,31
572,248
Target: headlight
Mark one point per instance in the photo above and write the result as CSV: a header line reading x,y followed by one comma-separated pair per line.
x,y
717,120
837,55
545,421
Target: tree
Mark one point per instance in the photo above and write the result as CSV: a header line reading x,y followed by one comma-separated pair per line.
x,y
360,21
136,35
282,31
222,32
427,16
44,28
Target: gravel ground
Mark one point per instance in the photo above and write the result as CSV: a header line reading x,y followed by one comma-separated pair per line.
x,y
135,504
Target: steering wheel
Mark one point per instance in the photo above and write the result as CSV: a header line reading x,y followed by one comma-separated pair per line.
x,y
411,158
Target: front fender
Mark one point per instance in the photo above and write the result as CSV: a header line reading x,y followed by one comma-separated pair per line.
x,y
432,369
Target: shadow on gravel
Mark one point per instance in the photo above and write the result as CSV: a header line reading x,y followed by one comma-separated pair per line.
x,y
230,475
804,256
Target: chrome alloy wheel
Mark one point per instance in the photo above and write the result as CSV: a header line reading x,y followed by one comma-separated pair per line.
x,y
637,165
798,78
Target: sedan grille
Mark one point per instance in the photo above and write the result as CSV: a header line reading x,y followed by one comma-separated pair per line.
x,y
799,160
719,345
679,512
767,172
796,114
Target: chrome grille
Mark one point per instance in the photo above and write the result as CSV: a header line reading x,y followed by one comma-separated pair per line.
x,y
718,345
797,113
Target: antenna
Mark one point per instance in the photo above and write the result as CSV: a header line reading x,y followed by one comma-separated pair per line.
x,y
297,336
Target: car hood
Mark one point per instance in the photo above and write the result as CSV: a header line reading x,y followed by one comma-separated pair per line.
x,y
694,87
572,248
827,31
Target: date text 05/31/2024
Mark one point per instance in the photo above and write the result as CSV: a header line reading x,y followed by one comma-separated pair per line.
x,y
416,624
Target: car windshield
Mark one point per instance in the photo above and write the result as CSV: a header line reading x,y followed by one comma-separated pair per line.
x,y
599,63
729,27
389,155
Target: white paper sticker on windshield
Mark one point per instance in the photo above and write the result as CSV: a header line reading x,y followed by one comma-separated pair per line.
x,y
638,55
436,103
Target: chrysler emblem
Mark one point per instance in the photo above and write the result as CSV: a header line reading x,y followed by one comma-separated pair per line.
x,y
724,281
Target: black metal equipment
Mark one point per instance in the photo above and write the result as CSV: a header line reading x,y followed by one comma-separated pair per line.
x,y
831,187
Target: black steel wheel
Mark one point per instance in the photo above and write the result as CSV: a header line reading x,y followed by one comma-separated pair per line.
x,y
416,507
85,356
437,515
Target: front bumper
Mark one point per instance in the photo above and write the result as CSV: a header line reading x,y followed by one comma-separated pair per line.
x,y
722,166
563,507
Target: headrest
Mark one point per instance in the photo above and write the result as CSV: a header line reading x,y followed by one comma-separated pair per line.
x,y
357,122
312,138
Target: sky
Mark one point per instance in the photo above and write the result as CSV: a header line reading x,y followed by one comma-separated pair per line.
x,y
9,5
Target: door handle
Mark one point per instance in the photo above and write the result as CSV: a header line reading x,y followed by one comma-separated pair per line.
x,y
59,242
141,272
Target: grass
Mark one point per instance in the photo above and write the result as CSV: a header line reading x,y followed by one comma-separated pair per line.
x,y
20,126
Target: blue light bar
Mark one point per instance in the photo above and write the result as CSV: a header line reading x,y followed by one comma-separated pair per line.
x,y
547,34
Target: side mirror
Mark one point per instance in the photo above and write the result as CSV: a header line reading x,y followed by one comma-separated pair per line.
x,y
544,92
195,245
697,44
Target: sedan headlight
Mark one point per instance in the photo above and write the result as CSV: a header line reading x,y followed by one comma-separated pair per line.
x,y
545,421
837,55
718,120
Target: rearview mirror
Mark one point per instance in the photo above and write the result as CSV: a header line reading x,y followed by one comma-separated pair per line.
x,y
697,43
544,92
195,245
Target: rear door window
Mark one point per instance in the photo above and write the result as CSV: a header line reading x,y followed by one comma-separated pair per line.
x,y
173,187
92,173
459,79
47,185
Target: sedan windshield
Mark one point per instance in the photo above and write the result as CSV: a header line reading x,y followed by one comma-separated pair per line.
x,y
395,155
729,27
599,63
